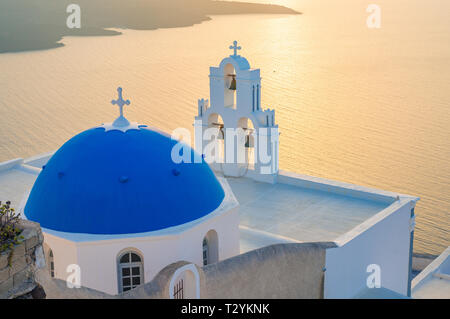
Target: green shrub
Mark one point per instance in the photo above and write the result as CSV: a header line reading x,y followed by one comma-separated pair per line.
x,y
9,231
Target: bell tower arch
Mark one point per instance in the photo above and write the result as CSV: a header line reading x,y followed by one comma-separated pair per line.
x,y
230,86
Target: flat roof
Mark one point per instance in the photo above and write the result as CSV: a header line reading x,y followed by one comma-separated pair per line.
x,y
279,213
434,281
15,183
17,177
435,287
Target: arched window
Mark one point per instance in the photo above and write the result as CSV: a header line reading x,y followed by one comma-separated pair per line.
x,y
185,283
210,248
51,263
205,252
131,271
258,97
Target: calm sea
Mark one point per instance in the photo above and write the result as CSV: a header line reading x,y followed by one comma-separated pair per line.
x,y
366,106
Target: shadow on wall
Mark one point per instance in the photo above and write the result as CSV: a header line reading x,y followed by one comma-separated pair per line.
x,y
277,271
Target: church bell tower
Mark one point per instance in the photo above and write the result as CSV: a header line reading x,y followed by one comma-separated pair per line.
x,y
246,135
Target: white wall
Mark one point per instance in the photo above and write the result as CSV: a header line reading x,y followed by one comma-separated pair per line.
x,y
384,240
64,254
98,260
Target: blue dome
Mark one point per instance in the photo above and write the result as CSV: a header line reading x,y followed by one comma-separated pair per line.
x,y
114,182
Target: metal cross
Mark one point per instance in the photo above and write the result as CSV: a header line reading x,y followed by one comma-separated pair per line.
x,y
120,101
235,47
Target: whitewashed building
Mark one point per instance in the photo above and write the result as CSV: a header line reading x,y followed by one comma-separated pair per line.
x,y
112,201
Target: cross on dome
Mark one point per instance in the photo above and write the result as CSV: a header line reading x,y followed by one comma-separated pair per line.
x,y
121,120
235,48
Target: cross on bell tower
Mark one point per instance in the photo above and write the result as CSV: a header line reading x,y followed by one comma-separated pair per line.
x,y
235,48
121,120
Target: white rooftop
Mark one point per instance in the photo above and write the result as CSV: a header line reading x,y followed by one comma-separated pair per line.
x,y
301,208
434,281
16,180
293,213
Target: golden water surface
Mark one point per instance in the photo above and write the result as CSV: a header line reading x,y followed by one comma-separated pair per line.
x,y
366,106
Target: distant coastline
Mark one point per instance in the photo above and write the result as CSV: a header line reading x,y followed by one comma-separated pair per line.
x,y
41,25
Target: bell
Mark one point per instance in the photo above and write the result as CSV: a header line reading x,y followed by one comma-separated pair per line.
x,y
221,134
247,142
233,83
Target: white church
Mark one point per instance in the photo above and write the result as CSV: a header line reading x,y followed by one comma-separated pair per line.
x,y
113,201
